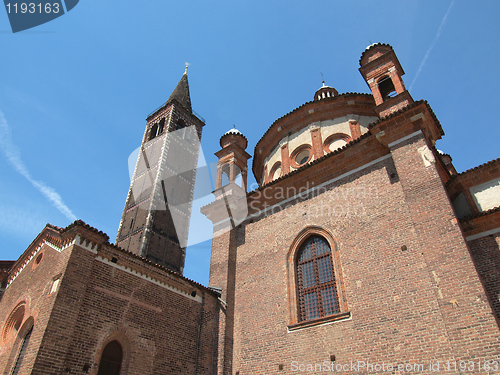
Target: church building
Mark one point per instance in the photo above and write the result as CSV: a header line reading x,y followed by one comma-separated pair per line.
x,y
361,251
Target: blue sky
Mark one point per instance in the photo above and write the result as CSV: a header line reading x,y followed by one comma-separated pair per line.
x,y
75,92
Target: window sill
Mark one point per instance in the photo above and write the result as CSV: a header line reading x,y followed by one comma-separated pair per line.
x,y
327,319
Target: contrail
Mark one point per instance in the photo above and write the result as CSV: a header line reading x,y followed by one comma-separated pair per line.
x,y
12,154
440,30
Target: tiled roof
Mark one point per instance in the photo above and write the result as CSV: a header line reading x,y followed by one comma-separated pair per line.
x,y
484,213
370,47
81,223
347,94
319,160
181,93
480,166
144,260
367,134
307,103
408,107
488,163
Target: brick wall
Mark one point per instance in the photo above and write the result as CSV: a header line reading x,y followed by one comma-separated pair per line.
x,y
165,323
412,290
485,252
31,287
5,266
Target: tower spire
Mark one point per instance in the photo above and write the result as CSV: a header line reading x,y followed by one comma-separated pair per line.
x,y
181,92
155,220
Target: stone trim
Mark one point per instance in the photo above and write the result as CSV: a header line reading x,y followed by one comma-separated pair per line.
x,y
482,234
148,278
409,136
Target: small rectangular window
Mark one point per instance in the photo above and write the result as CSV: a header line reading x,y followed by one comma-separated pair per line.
x,y
55,285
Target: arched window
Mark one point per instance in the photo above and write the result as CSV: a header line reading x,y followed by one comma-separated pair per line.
x,y
335,141
153,131
386,88
13,322
111,359
276,171
225,175
22,352
317,290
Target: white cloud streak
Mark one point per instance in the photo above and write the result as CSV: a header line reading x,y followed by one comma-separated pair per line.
x,y
438,34
13,155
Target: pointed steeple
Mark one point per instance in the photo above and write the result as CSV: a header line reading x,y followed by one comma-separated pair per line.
x,y
181,93
155,220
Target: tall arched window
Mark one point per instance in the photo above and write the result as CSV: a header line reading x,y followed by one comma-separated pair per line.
x,y
153,131
161,126
317,289
225,175
111,359
22,352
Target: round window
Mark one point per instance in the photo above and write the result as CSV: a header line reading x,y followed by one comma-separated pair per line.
x,y
302,157
38,259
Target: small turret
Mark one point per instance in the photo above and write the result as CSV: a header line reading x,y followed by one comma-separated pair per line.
x,y
325,92
232,159
382,72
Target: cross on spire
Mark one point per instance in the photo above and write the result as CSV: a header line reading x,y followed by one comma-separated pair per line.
x,y
187,66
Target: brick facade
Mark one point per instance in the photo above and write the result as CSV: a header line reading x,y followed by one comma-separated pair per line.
x,y
166,324
419,304
485,252
413,291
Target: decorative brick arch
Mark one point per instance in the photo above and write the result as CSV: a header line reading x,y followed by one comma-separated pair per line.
x,y
28,323
16,321
334,137
293,302
18,324
274,169
123,338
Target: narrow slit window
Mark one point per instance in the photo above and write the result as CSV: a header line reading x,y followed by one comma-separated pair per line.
x,y
153,131
161,126
55,285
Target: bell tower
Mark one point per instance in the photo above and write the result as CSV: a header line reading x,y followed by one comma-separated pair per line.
x,y
232,159
382,72
157,211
